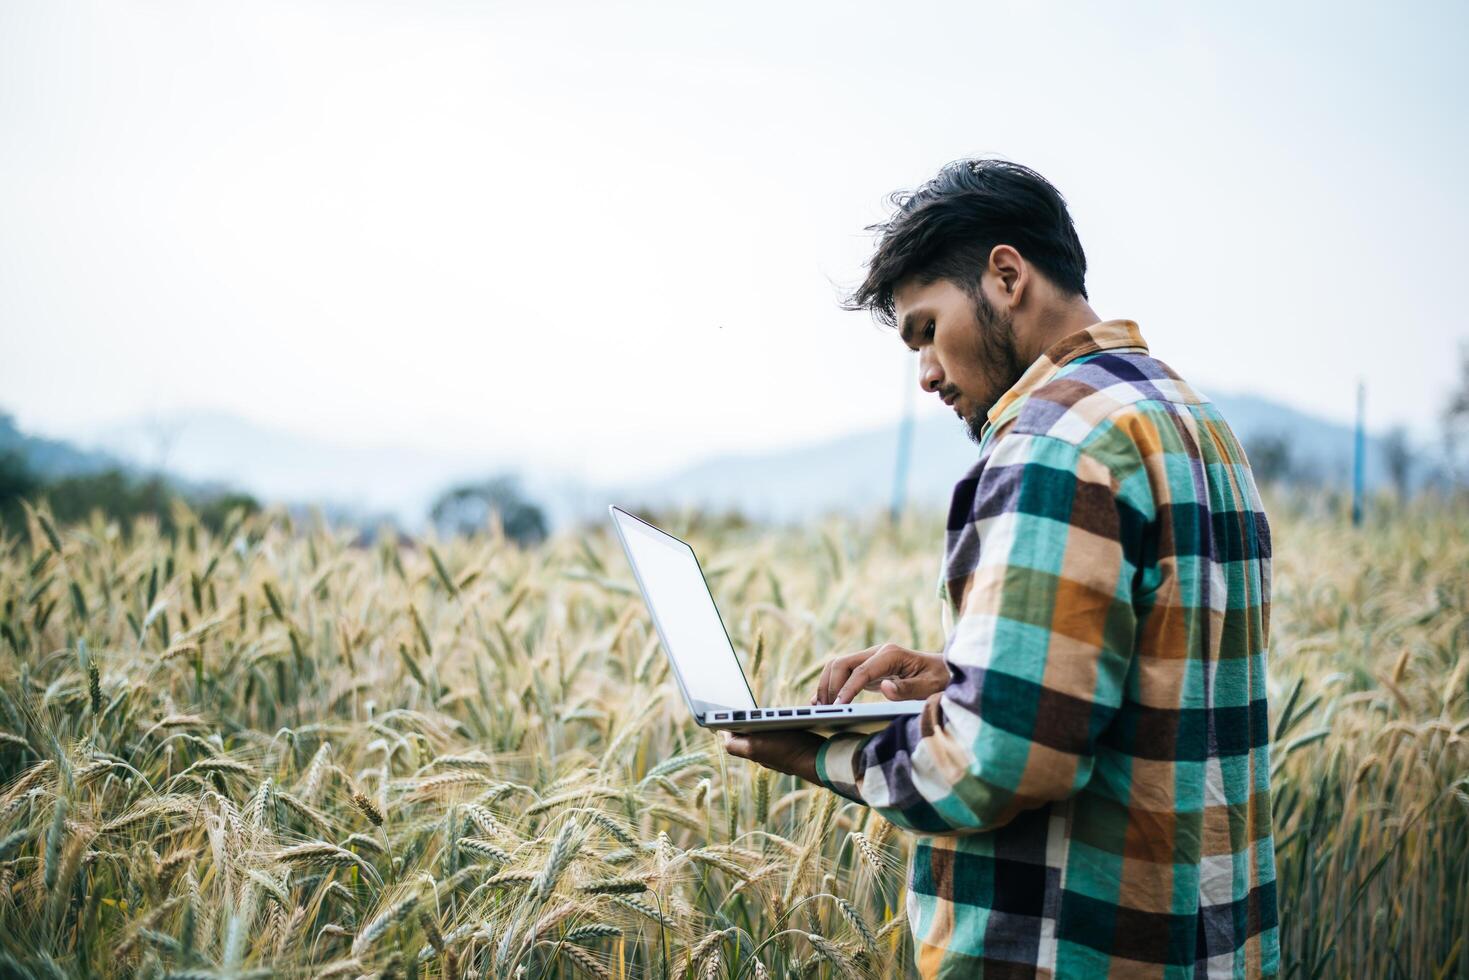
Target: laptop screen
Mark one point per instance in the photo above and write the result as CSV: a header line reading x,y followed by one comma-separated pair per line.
x,y
683,610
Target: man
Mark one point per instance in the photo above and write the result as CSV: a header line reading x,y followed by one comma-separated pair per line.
x,y
1089,780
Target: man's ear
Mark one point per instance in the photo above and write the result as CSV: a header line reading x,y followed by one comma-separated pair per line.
x,y
1011,273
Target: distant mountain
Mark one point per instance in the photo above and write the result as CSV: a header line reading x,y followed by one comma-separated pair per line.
x,y
285,467
78,481
1323,447
855,472
362,483
52,458
851,473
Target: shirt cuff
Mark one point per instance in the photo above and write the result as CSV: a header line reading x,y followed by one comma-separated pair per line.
x,y
837,764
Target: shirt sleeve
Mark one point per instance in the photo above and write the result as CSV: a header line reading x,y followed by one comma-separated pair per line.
x,y
1038,655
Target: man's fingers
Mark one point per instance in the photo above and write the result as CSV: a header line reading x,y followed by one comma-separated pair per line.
x,y
736,745
826,687
791,752
876,666
835,674
854,684
821,681
899,688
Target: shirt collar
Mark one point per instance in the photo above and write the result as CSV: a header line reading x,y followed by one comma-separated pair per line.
x,y
1106,335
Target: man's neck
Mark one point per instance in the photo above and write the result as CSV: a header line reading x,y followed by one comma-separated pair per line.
x,y
1055,323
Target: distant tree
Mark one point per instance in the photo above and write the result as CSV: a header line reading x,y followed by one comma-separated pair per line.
x,y
113,492
1397,453
10,436
1456,418
466,509
214,512
116,493
17,483
1270,458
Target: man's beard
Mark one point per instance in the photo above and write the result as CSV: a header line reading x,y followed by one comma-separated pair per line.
x,y
999,360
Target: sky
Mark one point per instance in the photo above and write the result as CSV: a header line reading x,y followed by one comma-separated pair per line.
x,y
611,238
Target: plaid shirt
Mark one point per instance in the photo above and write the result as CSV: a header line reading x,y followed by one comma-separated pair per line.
x,y
1091,792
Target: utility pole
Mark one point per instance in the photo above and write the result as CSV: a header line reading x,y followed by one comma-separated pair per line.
x,y
905,448
1359,451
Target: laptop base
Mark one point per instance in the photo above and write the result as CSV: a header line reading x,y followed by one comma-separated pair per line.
x,y
844,717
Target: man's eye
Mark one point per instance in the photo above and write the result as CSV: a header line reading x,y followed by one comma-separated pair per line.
x,y
929,332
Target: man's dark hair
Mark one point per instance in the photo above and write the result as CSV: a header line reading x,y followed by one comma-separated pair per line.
x,y
947,228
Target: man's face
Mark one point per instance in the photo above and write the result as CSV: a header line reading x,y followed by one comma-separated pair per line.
x,y
966,347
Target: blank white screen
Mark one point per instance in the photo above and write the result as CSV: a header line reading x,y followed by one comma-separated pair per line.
x,y
680,602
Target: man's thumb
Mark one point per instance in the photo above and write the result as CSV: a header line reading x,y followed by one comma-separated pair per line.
x,y
897,688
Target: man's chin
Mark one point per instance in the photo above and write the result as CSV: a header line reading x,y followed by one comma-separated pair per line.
x,y
974,426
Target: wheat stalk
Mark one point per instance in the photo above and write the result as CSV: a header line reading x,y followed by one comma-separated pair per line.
x,y
368,809
483,848
832,953
615,886
323,854
390,916
586,961
563,850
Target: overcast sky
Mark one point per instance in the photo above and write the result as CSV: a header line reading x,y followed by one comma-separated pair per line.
x,y
611,236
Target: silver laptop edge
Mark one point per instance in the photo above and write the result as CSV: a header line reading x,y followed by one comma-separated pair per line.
x,y
754,718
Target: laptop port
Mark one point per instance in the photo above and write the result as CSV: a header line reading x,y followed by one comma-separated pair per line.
x,y
803,711
786,713
739,716
722,716
829,711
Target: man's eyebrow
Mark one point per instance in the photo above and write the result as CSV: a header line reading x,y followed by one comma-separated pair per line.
x,y
908,323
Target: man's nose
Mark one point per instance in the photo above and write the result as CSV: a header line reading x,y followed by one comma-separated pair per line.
x,y
930,375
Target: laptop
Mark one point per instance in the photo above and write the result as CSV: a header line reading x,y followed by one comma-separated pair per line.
x,y
699,650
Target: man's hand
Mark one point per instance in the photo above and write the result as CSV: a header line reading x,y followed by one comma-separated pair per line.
x,y
900,673
792,752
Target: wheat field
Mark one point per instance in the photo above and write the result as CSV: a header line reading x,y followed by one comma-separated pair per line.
x,y
276,751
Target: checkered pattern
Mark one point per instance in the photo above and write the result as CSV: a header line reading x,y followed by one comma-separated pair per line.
x,y
1091,792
